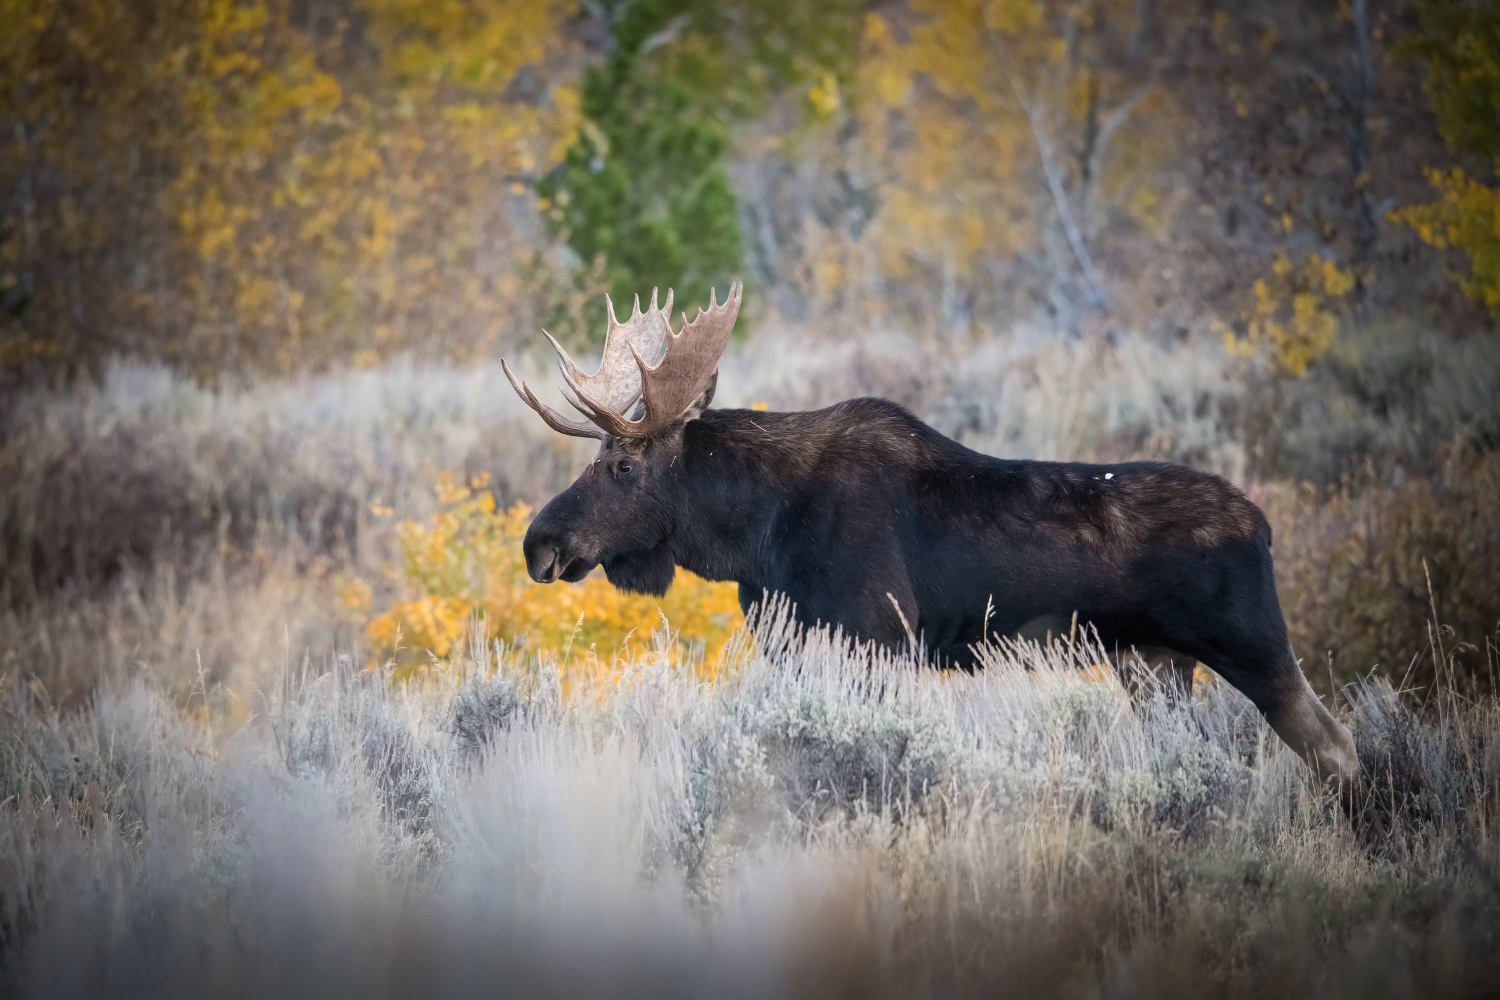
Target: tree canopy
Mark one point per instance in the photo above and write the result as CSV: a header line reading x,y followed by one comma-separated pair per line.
x,y
237,186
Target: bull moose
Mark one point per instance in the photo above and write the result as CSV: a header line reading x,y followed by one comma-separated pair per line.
x,y
867,519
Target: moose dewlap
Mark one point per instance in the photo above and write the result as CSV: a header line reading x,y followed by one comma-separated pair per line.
x,y
868,520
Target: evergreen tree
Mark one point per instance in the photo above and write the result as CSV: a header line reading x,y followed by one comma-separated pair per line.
x,y
643,186
1460,43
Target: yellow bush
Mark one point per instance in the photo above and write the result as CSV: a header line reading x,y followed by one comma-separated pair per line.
x,y
1293,312
468,562
1467,217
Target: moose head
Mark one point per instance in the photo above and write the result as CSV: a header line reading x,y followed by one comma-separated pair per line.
x,y
865,518
622,511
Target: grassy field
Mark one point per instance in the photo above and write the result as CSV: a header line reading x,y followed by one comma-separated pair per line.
x,y
815,822
205,788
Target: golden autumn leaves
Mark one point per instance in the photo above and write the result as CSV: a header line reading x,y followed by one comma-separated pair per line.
x,y
261,185
1467,216
325,207
467,562
1294,312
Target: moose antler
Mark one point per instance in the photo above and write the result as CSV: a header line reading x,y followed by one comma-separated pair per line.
x,y
685,365
617,382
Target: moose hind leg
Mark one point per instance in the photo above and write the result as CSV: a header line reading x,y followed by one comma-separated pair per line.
x,y
1271,678
1142,669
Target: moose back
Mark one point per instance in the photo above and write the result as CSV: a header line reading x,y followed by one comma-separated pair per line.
x,y
869,520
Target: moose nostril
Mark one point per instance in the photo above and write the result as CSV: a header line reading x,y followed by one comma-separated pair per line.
x,y
545,566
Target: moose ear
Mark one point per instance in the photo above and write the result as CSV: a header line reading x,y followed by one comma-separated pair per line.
x,y
701,403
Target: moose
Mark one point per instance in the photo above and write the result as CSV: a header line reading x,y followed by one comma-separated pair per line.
x,y
868,520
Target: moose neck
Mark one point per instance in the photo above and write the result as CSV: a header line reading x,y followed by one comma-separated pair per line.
x,y
736,467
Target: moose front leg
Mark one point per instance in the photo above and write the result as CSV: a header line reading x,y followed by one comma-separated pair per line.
x,y
1143,669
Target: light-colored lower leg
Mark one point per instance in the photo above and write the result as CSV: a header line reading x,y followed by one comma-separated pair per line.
x,y
1312,731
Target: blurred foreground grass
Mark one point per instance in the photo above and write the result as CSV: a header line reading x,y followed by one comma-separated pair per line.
x,y
203,789
815,822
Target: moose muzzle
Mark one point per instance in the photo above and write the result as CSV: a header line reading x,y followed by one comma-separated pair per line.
x,y
548,560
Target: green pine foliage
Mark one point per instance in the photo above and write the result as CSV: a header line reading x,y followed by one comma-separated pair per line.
x,y
643,187
1460,43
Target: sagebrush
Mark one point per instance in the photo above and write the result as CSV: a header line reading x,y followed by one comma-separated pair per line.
x,y
818,820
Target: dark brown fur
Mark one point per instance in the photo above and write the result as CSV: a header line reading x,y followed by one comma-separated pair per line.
x,y
856,509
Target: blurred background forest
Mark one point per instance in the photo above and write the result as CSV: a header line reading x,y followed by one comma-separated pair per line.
x,y
257,259
242,188
263,485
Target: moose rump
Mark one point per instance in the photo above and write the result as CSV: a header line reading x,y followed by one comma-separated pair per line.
x,y
869,520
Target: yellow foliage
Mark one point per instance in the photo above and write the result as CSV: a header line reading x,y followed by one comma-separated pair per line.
x,y
828,275
356,595
959,160
887,72
366,182
1293,313
1467,217
824,95
469,562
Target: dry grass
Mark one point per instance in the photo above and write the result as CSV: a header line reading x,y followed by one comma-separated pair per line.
x,y
1363,571
1380,458
818,822
201,789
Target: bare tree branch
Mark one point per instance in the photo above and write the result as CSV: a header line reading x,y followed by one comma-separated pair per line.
x,y
1098,295
1359,140
1111,124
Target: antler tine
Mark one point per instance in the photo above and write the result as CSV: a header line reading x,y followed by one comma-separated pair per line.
x,y
606,419
553,419
686,364
616,385
603,419
570,369
690,364
575,379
